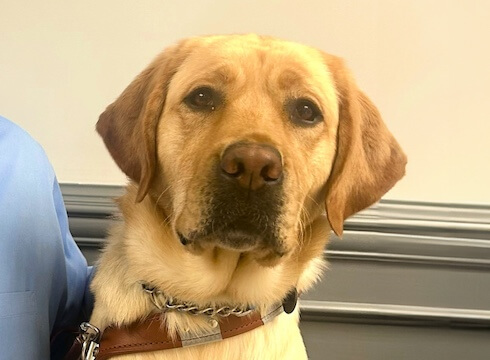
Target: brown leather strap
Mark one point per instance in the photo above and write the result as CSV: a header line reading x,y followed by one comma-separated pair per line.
x,y
148,335
151,334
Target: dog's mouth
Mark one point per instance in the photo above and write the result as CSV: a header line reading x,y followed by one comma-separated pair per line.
x,y
233,240
266,253
243,226
239,234
239,218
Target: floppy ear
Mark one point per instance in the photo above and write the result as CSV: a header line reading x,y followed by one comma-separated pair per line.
x,y
368,161
128,125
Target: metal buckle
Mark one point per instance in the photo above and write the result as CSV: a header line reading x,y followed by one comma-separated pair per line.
x,y
89,337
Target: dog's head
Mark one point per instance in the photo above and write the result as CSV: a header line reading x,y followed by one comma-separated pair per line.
x,y
245,140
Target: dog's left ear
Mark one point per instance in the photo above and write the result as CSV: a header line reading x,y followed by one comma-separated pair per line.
x,y
128,125
368,161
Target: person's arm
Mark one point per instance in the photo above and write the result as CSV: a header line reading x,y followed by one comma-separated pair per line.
x,y
43,275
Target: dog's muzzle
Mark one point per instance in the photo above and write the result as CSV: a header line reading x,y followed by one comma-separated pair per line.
x,y
245,202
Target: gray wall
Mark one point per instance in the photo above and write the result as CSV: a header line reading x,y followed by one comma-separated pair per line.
x,y
408,281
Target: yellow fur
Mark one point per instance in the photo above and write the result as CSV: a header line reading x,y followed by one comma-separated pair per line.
x,y
169,150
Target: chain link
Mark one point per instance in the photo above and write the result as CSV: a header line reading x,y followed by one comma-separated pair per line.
x,y
166,303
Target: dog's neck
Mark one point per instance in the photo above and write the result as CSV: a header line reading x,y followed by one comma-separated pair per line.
x,y
145,248
164,303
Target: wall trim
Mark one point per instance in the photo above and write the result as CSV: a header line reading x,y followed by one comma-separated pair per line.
x,y
394,314
448,236
412,228
390,231
387,215
90,200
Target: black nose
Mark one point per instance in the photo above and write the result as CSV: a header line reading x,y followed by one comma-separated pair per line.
x,y
252,165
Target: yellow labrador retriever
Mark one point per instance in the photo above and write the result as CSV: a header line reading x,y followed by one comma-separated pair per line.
x,y
244,152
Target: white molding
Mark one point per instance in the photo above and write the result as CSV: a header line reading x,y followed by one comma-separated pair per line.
x,y
393,314
449,237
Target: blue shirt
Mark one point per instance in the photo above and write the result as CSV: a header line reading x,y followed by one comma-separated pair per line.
x,y
43,275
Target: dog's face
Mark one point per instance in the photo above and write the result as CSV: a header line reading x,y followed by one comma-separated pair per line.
x,y
246,141
242,139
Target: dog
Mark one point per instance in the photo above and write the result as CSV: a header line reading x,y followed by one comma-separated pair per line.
x,y
243,153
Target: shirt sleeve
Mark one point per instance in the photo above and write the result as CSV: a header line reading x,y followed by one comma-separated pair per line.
x,y
43,275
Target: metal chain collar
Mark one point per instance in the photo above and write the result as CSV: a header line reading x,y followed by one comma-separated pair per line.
x,y
167,303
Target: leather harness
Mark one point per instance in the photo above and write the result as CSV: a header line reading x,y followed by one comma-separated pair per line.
x,y
151,334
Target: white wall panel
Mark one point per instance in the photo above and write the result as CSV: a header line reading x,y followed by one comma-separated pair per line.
x,y
424,63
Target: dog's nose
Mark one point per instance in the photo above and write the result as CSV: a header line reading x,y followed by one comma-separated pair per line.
x,y
252,165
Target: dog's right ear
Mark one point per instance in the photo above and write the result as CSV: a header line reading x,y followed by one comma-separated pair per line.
x,y
128,125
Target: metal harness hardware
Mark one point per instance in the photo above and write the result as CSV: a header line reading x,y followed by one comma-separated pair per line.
x,y
166,303
89,338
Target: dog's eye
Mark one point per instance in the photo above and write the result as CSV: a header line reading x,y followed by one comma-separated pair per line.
x,y
202,98
305,111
